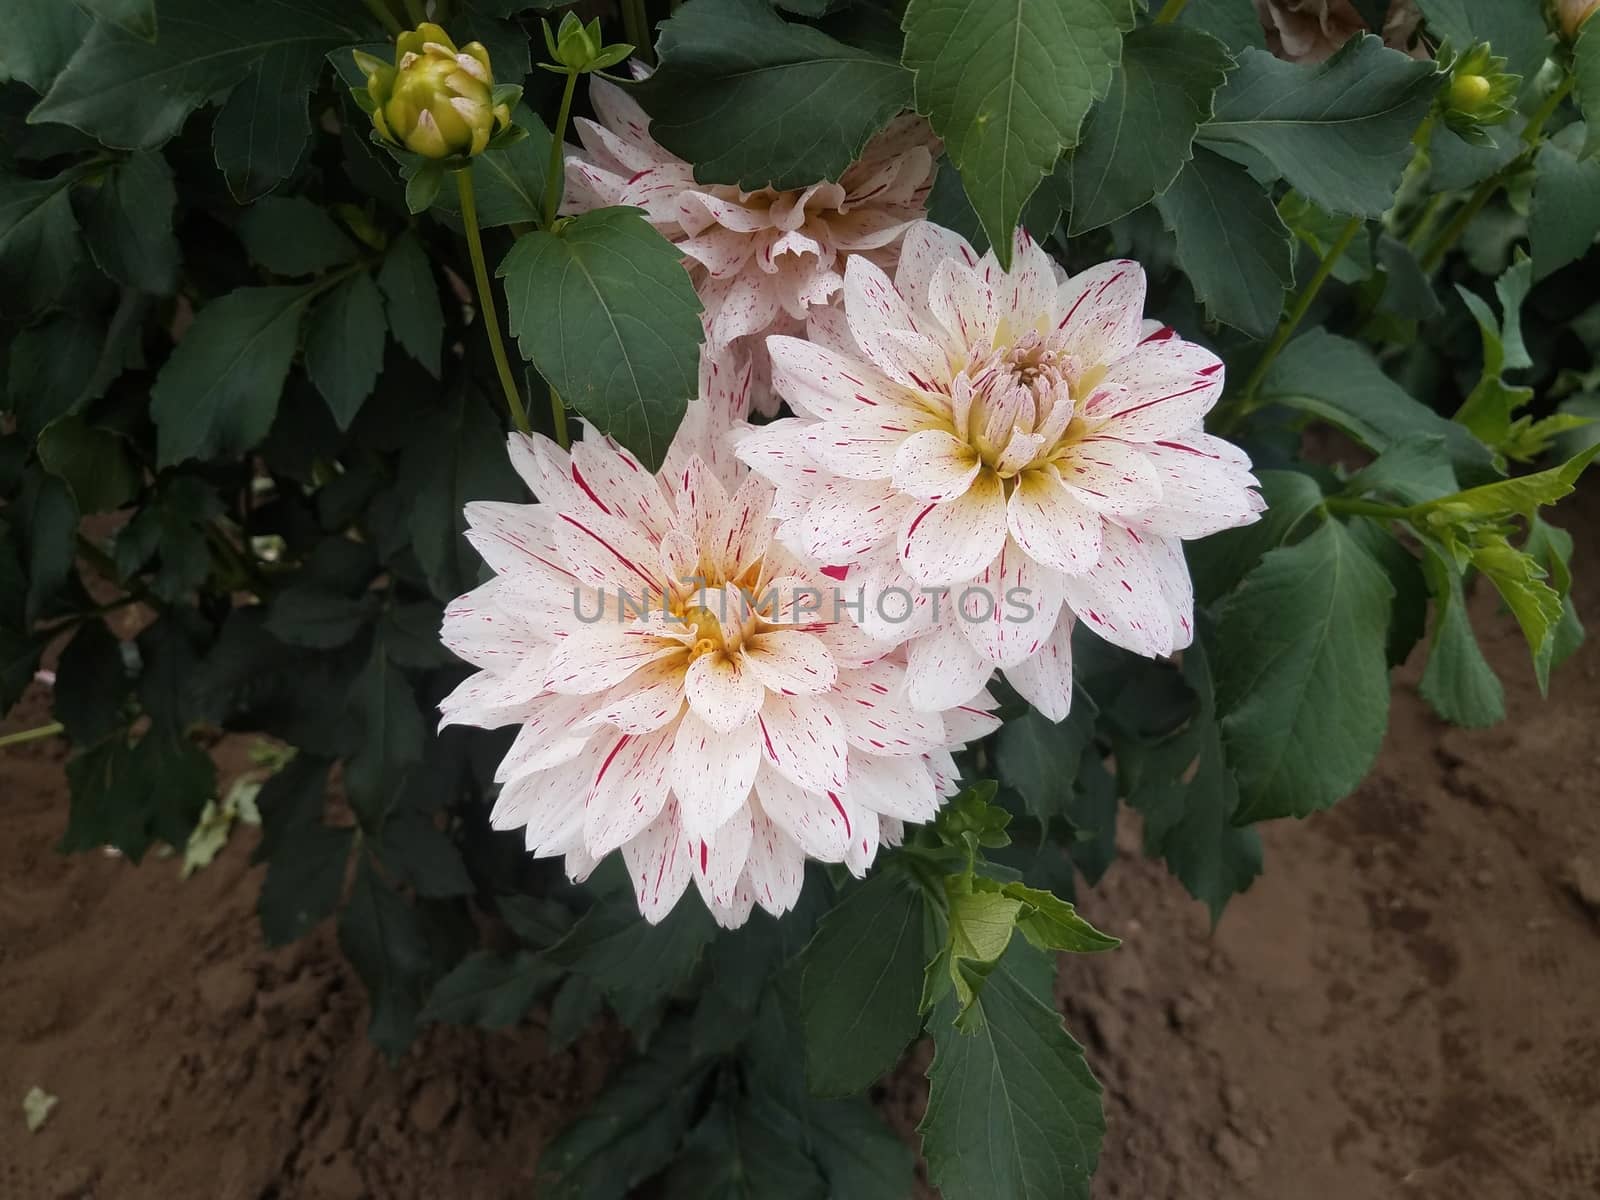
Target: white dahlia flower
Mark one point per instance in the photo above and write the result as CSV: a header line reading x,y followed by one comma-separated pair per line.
x,y
1024,441
762,260
685,691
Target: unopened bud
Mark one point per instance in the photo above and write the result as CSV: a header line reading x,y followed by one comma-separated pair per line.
x,y
575,46
1573,13
436,100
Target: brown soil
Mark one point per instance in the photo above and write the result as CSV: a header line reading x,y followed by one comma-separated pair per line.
x,y
1404,1006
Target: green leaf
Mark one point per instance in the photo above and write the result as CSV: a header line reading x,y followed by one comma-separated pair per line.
x,y
385,942
1039,758
1586,81
1050,923
1320,231
216,396
1458,681
1232,244
411,300
261,133
134,95
1302,677
460,456
1232,22
130,224
1339,381
743,1155
131,796
1013,1109
862,977
1219,562
632,1129
173,523
39,40
92,684
385,710
489,991
314,618
39,247
1507,497
1566,202
980,929
1408,292
1006,84
752,99
1521,582
1516,31
50,369
306,860
344,346
1136,140
293,236
138,17
48,517
423,854
1413,470
94,462
1339,131
606,312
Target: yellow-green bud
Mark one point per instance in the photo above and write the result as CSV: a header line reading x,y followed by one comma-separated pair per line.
x,y
1468,92
436,100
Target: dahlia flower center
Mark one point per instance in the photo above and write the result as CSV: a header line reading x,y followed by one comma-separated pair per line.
x,y
1022,406
707,631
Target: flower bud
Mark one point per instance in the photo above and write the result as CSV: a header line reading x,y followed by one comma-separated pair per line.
x,y
1572,14
436,100
1480,94
579,47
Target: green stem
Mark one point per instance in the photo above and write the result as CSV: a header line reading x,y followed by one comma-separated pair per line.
x,y
1531,136
552,181
1365,508
415,13
31,735
558,411
1169,11
1286,328
491,317
1424,224
636,23
384,17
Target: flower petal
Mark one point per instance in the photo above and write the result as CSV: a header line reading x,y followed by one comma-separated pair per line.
x,y
1102,312
894,787
935,465
1007,613
816,820
721,691
943,670
658,863
849,519
787,661
1111,476
804,740
629,788
776,865
1163,386
1045,679
952,541
1202,493
712,773
1051,525
923,248
1123,598
718,859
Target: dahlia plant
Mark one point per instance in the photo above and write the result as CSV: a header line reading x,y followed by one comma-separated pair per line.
x,y
734,556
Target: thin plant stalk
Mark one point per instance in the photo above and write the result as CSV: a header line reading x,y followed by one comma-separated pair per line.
x,y
553,179
1170,11
384,17
31,735
486,306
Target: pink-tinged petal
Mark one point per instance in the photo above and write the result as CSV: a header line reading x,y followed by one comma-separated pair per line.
x,y
963,302
703,209
479,628
923,360
787,661
878,717
934,465
923,248
658,863
712,773
1116,478
746,527
542,465
1009,611
1026,295
890,605
949,542
721,691
862,445
865,829
1201,492
1176,587
818,821
1045,680
579,864
602,656
804,740
628,790
875,310
622,115
1052,526
850,519
1122,599
777,452
975,719
490,701
605,552
548,803
705,431
847,643
718,858
617,483
555,730
775,866
737,911
648,699
613,151
702,507
894,787
1162,387
749,306
822,382
513,537
1102,312
943,670
830,328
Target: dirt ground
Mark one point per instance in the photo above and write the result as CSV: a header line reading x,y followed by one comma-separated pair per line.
x,y
1406,1005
